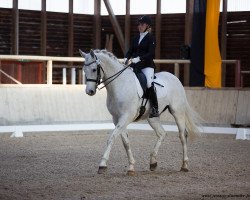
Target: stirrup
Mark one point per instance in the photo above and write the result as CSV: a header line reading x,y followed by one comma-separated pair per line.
x,y
154,113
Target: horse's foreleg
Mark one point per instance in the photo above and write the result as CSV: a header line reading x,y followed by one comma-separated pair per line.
x,y
131,160
160,132
119,129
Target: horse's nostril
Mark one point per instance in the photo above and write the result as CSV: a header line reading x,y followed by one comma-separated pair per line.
x,y
91,92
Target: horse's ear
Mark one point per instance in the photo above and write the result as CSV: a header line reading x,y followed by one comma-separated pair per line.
x,y
92,53
82,53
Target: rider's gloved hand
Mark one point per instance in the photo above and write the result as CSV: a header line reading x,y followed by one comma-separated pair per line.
x,y
136,60
125,61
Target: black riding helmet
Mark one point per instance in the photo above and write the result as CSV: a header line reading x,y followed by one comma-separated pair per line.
x,y
145,19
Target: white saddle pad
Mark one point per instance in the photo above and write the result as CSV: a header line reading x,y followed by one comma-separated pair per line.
x,y
160,91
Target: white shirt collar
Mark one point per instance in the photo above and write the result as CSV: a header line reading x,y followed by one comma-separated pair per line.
x,y
142,35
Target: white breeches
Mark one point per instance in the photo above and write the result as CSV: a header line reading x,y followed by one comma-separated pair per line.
x,y
149,73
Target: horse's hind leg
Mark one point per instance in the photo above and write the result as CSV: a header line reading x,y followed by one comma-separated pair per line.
x,y
131,160
160,133
180,121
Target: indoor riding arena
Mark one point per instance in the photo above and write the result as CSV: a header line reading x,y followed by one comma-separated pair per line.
x,y
60,137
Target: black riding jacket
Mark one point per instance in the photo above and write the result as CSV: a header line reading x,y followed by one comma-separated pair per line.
x,y
145,50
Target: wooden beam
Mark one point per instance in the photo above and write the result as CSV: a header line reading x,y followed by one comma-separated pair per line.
x,y
71,29
43,28
188,35
158,33
223,43
15,28
115,24
97,23
127,26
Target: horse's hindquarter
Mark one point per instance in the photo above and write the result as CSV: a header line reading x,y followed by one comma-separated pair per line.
x,y
175,90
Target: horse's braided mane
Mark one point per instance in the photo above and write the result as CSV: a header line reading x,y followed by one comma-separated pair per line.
x,y
104,51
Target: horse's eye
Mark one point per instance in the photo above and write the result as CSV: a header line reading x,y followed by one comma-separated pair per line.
x,y
94,70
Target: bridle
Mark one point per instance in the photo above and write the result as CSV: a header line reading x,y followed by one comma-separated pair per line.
x,y
99,68
98,77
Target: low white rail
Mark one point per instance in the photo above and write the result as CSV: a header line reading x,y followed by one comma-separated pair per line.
x,y
49,60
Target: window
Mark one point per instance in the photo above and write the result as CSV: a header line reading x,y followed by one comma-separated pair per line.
x,y
6,4
119,7
57,5
143,7
84,6
29,4
176,6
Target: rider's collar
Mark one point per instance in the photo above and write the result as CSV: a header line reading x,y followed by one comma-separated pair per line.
x,y
143,34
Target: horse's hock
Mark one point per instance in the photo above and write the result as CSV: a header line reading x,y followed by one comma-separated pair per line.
x,y
57,104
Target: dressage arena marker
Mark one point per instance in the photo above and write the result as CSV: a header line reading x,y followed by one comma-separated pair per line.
x,y
17,131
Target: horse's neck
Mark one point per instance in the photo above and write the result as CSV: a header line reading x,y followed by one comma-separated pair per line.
x,y
110,68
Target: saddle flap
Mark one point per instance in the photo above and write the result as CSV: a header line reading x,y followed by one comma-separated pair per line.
x,y
141,87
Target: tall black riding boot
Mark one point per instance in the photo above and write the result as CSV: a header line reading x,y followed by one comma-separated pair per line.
x,y
154,102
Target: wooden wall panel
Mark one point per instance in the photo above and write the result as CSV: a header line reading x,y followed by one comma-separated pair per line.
x,y
57,34
29,32
5,31
83,33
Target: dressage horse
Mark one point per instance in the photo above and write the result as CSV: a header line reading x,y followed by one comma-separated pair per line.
x,y
123,103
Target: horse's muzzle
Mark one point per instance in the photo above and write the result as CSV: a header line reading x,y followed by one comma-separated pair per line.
x,y
90,92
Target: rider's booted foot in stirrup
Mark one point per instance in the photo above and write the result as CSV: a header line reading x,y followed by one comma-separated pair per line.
x,y
153,101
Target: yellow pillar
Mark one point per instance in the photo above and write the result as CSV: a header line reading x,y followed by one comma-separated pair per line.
x,y
212,68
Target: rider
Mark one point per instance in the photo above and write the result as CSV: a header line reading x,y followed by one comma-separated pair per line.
x,y
142,52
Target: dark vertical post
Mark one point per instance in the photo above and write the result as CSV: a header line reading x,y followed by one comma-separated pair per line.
x,y
43,28
188,35
127,26
71,29
71,35
223,44
15,28
97,23
158,33
43,47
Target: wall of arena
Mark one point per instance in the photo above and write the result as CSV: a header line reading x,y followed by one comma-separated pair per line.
x,y
60,104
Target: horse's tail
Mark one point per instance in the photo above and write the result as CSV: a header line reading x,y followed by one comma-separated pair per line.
x,y
193,122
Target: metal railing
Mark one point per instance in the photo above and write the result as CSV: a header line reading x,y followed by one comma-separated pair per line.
x,y
49,65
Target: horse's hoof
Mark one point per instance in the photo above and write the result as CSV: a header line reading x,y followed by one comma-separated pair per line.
x,y
131,173
153,166
102,170
184,169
